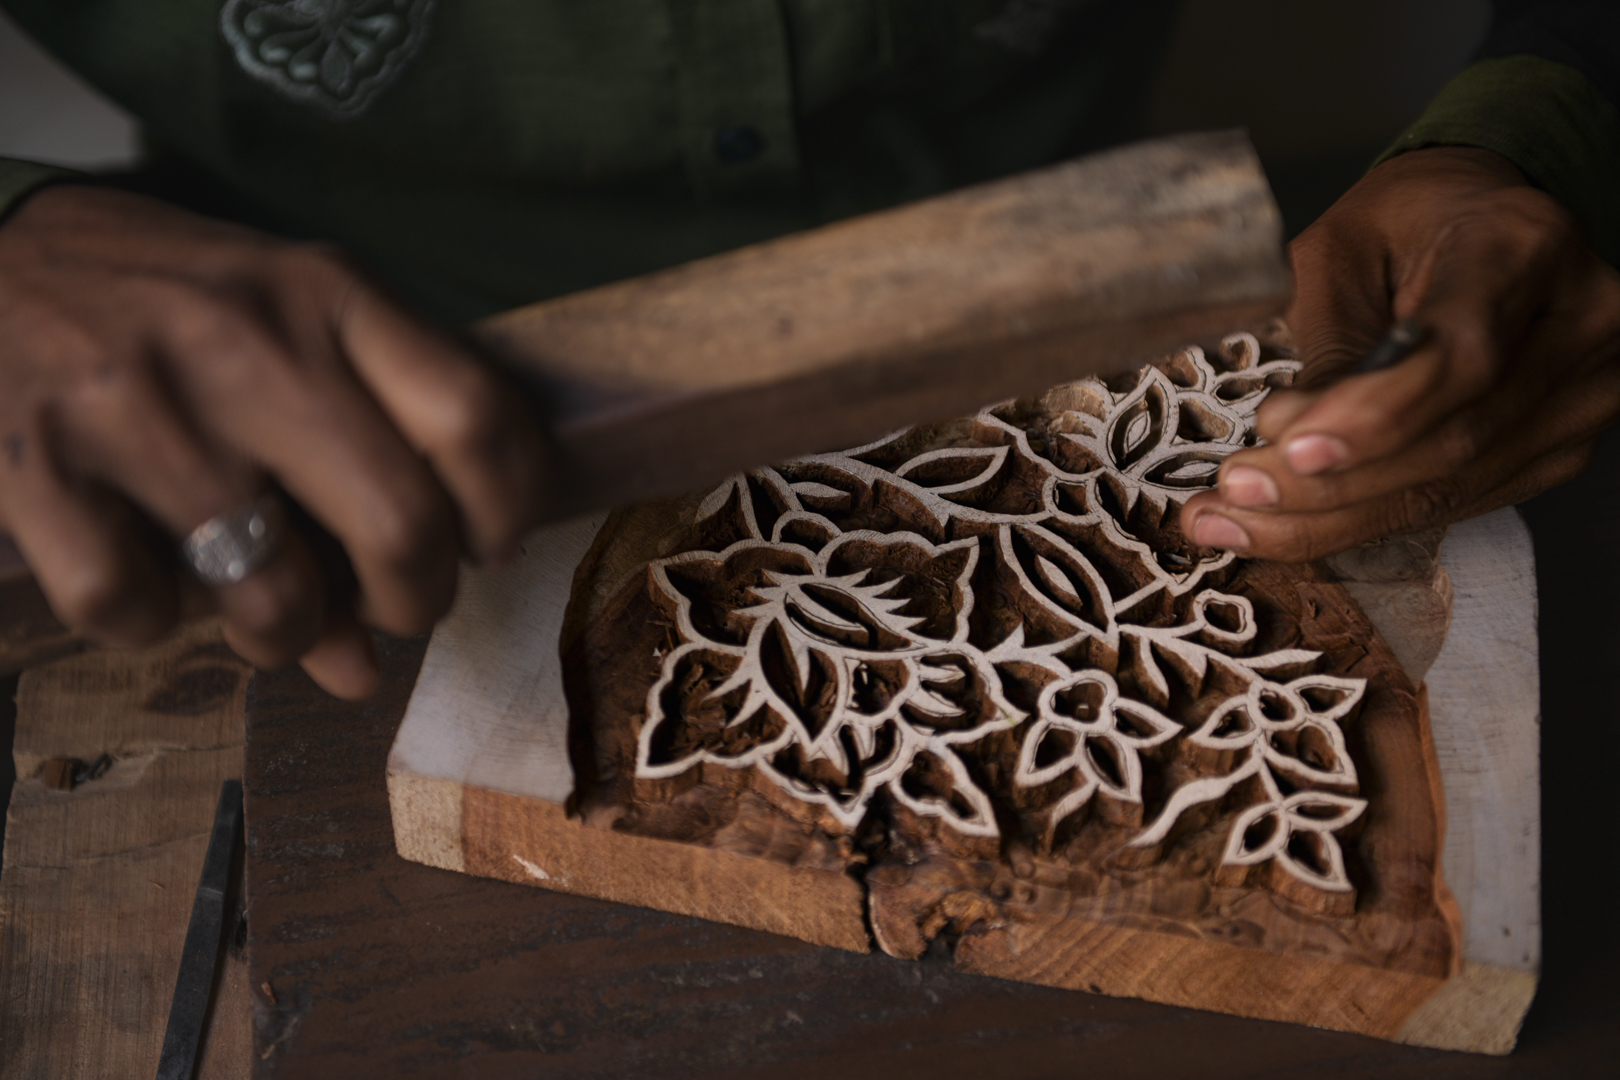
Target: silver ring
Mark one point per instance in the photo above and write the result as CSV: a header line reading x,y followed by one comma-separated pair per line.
x,y
225,549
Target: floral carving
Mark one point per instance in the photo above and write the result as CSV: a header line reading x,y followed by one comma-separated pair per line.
x,y
1167,427
876,621
824,667
337,55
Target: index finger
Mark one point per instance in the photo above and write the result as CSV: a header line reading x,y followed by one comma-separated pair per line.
x,y
477,433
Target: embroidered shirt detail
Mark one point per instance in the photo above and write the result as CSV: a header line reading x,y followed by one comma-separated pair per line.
x,y
334,55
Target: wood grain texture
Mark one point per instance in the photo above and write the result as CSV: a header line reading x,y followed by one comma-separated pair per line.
x,y
388,967
1476,1009
1188,935
98,881
828,338
1121,452
1484,693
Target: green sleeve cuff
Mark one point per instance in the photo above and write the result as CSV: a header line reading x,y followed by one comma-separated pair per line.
x,y
19,178
1548,119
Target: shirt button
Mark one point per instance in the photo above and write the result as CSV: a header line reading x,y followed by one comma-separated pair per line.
x,y
737,144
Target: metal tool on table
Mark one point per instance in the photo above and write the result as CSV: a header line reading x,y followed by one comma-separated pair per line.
x,y
199,960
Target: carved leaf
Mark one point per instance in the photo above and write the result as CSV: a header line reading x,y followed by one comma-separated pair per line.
x,y
954,470
1140,424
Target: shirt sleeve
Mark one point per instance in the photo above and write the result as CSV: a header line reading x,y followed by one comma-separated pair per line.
x,y
20,178
1543,95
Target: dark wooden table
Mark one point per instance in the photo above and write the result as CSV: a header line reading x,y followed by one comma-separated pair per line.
x,y
379,967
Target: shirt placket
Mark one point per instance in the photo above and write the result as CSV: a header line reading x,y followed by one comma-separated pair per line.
x,y
735,90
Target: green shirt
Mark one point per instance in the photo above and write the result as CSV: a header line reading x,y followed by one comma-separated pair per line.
x,y
1548,119
481,154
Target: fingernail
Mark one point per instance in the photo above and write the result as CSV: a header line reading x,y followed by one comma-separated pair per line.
x,y
1218,531
1244,485
1311,454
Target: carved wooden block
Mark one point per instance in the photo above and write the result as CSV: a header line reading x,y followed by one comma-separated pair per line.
x,y
968,684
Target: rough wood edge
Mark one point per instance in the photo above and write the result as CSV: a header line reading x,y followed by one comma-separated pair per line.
x,y
1479,1009
832,336
427,820
1122,961
441,824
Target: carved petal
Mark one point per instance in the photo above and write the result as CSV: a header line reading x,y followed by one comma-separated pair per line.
x,y
1318,755
1313,814
1141,422
1250,841
1191,469
954,470
1028,774
1326,696
1229,727
1224,619
767,731
1143,727
946,791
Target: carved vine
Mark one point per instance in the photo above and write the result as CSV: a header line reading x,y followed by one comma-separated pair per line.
x,y
889,607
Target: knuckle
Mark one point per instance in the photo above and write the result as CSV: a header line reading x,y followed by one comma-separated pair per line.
x,y
219,325
270,606
405,531
1524,225
1472,359
1542,219
1458,445
96,597
43,328
1423,506
316,264
473,418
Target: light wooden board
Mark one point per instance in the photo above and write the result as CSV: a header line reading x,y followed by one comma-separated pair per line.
x,y
98,881
463,712
828,338
1485,710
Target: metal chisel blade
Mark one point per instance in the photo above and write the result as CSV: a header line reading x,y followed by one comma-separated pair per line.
x,y
200,957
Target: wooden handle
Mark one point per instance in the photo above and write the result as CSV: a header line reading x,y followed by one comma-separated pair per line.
x,y
828,338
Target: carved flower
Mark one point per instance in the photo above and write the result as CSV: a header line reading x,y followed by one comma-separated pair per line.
x,y
834,672
1086,730
335,54
1288,730
1166,428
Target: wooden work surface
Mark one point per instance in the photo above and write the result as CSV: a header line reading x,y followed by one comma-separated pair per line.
x,y
99,880
378,966
406,970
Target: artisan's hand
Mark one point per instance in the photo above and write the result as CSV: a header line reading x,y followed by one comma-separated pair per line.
x,y
158,369
1519,375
